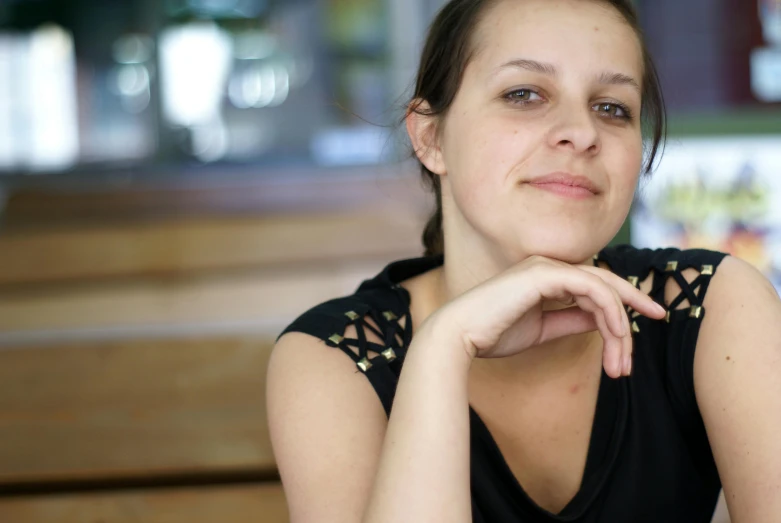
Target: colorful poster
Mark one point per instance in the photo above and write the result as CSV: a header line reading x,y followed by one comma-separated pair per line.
x,y
715,193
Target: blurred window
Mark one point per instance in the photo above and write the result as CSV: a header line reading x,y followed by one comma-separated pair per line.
x,y
88,83
94,85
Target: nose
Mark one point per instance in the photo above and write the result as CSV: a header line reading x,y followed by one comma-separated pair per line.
x,y
576,131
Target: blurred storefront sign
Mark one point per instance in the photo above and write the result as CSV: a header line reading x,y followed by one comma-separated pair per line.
x,y
716,193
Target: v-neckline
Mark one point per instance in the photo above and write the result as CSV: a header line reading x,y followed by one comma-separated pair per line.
x,y
607,430
606,435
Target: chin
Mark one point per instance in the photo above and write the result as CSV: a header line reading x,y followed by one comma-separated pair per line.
x,y
569,248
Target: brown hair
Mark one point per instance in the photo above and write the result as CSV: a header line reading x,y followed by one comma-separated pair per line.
x,y
446,54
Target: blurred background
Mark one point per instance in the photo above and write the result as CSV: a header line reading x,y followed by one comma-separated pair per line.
x,y
179,179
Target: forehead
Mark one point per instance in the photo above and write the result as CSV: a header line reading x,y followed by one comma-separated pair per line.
x,y
570,34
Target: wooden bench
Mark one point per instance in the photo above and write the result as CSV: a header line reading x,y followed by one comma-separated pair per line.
x,y
134,343
136,429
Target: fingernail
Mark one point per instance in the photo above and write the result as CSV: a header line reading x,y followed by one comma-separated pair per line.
x,y
629,369
660,308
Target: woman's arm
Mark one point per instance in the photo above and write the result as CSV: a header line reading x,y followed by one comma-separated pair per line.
x,y
737,378
327,427
424,469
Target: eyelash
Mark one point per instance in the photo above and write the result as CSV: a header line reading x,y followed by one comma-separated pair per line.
x,y
628,116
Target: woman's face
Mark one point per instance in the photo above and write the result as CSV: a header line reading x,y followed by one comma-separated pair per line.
x,y
553,87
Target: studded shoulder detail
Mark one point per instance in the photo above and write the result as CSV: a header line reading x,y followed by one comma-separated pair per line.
x,y
671,266
385,325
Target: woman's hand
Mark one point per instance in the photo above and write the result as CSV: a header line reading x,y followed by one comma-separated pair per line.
x,y
504,315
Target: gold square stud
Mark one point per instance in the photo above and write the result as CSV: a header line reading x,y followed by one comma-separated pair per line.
x,y
672,266
389,354
633,280
635,327
389,315
352,315
707,270
336,339
667,317
695,311
364,364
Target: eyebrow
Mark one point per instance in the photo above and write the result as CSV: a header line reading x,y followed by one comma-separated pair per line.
x,y
606,78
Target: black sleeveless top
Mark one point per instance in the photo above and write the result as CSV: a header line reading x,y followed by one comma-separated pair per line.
x,y
648,460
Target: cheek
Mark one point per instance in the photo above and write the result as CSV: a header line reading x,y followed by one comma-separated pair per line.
x,y
479,169
466,150
635,152
481,152
628,162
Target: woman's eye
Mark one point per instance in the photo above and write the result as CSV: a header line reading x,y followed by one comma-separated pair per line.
x,y
614,111
522,95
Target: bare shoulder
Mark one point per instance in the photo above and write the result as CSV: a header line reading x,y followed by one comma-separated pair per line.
x,y
738,297
327,426
742,307
736,369
738,277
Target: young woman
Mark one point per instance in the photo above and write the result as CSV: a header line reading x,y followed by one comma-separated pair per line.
x,y
534,374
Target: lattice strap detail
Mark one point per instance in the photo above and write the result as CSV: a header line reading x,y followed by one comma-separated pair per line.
x,y
359,347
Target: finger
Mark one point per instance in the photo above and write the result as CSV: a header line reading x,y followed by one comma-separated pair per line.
x,y
566,322
613,345
649,306
580,284
630,295
626,341
595,295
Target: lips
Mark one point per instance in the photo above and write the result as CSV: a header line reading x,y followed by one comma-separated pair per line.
x,y
566,179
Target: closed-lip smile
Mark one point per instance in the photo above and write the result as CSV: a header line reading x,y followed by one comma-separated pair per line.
x,y
560,181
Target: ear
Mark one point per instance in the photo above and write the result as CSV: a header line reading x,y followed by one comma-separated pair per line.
x,y
422,129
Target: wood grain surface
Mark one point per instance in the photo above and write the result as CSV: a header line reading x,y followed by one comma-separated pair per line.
x,y
234,504
137,409
172,248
